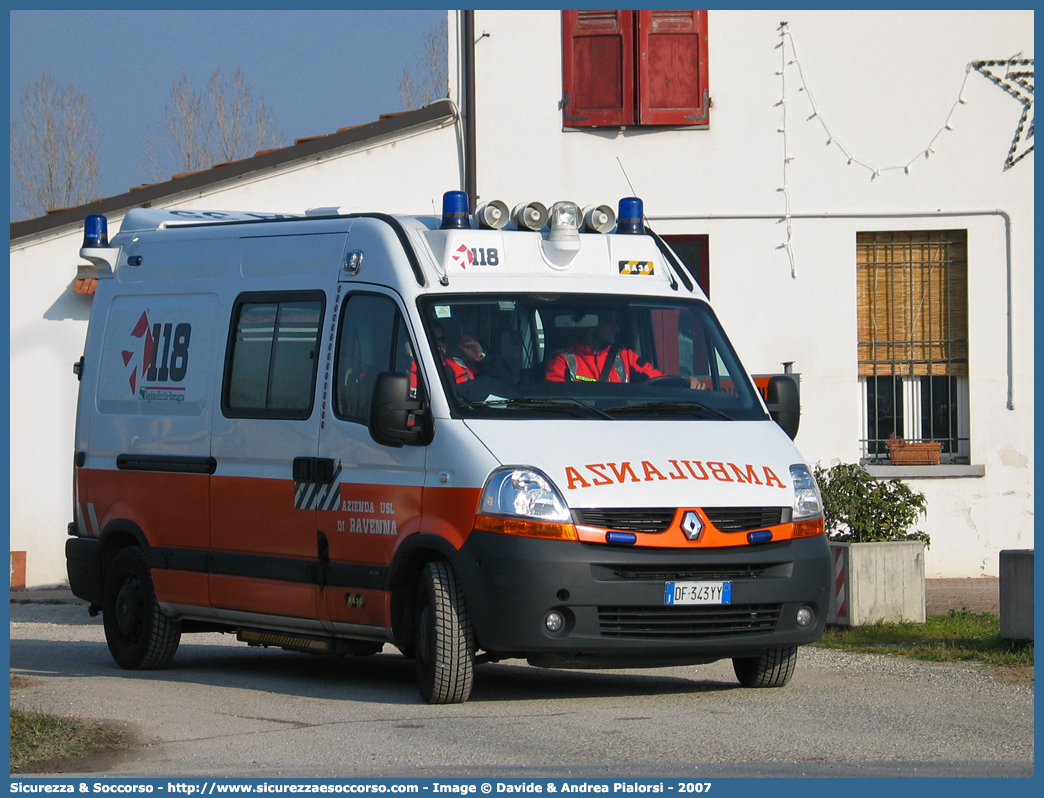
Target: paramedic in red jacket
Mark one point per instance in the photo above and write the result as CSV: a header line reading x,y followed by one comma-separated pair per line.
x,y
585,358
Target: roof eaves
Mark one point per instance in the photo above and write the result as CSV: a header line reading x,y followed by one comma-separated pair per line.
x,y
388,124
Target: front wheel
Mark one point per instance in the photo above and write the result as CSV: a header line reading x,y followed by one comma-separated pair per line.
x,y
444,638
139,635
773,668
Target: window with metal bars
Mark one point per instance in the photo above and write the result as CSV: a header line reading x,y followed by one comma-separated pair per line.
x,y
912,297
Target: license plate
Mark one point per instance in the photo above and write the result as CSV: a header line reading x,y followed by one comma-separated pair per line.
x,y
697,593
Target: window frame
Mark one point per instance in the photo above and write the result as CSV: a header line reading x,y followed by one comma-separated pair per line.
x,y
278,298
909,367
647,55
401,321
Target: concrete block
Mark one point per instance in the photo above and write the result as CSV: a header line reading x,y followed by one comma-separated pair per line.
x,y
17,570
877,582
1016,594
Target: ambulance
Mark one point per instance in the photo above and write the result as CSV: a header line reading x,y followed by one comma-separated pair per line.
x,y
518,433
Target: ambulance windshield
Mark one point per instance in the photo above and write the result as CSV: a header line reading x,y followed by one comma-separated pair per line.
x,y
586,356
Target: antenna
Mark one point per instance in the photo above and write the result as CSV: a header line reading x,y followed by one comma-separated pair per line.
x,y
633,192
660,243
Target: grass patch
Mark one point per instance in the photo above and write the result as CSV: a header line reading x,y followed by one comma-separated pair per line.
x,y
958,636
38,739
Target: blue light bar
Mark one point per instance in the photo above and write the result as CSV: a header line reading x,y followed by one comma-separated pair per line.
x,y
95,231
624,538
631,216
761,536
455,211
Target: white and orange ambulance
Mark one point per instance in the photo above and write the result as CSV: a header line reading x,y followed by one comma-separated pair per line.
x,y
515,434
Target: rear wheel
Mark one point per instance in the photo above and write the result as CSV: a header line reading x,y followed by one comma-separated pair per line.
x,y
773,668
444,639
140,637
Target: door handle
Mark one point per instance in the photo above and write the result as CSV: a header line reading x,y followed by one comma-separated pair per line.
x,y
316,470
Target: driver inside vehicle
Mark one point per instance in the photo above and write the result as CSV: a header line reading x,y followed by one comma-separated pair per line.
x,y
594,356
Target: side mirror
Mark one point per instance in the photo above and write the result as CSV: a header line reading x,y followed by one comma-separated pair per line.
x,y
784,403
390,411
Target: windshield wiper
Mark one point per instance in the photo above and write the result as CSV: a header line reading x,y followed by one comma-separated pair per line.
x,y
540,402
668,408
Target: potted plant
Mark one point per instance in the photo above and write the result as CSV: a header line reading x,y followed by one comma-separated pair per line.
x,y
903,452
878,557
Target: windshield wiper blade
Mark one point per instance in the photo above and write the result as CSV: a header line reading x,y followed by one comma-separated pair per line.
x,y
686,406
540,402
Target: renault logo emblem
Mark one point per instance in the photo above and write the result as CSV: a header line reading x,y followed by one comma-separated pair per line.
x,y
691,525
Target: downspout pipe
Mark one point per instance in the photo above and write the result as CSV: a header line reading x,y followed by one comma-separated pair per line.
x,y
470,171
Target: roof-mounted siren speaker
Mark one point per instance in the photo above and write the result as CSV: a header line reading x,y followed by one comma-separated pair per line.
x,y
492,215
599,219
455,211
529,215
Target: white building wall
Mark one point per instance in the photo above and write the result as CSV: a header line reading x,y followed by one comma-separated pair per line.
x,y
885,83
49,322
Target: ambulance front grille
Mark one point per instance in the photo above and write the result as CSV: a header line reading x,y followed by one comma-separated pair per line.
x,y
744,519
716,571
651,520
688,623
654,520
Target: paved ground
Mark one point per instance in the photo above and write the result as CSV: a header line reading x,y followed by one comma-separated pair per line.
x,y
974,595
226,710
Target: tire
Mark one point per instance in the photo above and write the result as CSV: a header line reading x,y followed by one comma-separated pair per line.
x,y
772,669
140,637
444,640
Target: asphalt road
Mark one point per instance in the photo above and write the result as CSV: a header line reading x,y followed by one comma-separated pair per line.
x,y
223,709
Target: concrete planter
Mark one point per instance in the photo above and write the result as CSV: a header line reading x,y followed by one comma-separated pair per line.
x,y
1016,594
877,582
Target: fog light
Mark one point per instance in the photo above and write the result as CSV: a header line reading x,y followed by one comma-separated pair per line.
x,y
554,621
805,616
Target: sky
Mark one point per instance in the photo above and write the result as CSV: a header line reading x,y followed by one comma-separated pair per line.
x,y
318,70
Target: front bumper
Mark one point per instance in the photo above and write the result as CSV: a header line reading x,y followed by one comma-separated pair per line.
x,y
612,598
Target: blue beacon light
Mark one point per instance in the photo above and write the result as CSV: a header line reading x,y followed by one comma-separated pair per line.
x,y
95,231
631,216
455,211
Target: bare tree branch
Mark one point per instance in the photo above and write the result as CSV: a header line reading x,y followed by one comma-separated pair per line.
x,y
223,124
54,148
431,67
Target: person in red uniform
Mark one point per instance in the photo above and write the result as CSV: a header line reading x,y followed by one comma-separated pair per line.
x,y
461,369
475,363
593,357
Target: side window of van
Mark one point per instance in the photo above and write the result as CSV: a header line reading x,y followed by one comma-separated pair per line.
x,y
272,356
373,339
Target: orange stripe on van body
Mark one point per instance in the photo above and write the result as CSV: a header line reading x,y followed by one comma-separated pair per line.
x,y
252,515
181,587
367,607
265,596
450,513
170,509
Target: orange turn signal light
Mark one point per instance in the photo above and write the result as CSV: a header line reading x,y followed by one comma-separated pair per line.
x,y
526,527
808,529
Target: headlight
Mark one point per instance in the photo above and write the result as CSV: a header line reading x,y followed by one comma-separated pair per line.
x,y
807,502
523,492
523,501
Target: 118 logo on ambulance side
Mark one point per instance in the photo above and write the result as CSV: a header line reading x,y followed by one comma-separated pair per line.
x,y
164,358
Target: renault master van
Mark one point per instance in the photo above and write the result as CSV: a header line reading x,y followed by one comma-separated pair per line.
x,y
521,433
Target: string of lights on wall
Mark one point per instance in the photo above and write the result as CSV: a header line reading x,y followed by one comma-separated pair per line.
x,y
1014,75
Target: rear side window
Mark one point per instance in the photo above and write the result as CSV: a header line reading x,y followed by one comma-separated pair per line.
x,y
273,354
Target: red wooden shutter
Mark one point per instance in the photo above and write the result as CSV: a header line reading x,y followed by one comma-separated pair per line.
x,y
672,68
597,68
